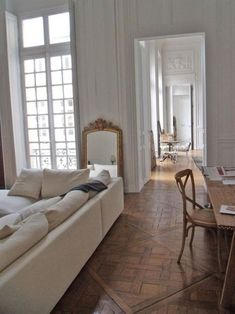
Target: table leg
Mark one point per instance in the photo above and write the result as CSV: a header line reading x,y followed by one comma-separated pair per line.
x,y
229,279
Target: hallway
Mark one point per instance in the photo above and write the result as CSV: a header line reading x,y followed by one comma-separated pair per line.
x,y
134,270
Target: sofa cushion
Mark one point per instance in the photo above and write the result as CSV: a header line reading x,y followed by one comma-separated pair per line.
x,y
30,232
8,224
111,168
59,182
57,213
11,204
38,206
103,176
27,184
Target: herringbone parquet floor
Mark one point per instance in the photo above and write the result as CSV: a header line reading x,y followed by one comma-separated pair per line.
x,y
134,269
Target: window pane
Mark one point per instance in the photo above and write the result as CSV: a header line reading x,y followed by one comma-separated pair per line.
x,y
33,135
59,135
55,63
58,106
72,163
33,32
71,149
61,149
45,149
59,28
40,65
69,120
57,92
29,80
42,107
68,91
43,121
32,122
46,162
28,66
41,93
59,121
61,162
68,103
34,149
31,108
30,94
67,76
67,62
56,77
45,152
71,145
41,79
44,146
70,134
44,135
35,162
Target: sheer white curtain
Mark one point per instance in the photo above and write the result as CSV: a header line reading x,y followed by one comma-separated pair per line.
x,y
10,99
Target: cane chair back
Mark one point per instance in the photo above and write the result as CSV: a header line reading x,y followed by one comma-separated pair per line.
x,y
195,214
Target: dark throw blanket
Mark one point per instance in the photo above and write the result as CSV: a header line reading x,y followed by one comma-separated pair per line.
x,y
95,185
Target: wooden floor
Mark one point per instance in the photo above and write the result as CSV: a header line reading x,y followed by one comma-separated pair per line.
x,y
134,270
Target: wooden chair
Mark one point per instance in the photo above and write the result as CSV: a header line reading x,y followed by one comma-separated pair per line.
x,y
197,215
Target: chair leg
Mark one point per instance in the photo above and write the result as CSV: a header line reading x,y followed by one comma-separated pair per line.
x,y
183,241
192,236
219,250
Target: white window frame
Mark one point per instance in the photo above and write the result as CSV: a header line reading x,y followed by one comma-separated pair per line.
x,y
46,51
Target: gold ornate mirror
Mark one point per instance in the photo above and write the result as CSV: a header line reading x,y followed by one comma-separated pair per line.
x,y
102,148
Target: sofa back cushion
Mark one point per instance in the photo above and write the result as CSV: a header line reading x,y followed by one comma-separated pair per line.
x,y
59,182
27,184
38,206
33,229
63,209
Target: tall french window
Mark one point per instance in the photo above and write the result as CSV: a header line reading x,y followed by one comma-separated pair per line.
x,y
48,91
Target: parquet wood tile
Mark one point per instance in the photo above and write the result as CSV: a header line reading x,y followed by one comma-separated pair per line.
x,y
134,269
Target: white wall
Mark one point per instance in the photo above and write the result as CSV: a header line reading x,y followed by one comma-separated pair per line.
x,y
216,19
24,6
105,40
131,19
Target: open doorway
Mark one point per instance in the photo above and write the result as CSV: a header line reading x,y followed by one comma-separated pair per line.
x,y
170,82
179,105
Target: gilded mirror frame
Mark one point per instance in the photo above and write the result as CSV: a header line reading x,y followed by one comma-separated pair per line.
x,y
103,125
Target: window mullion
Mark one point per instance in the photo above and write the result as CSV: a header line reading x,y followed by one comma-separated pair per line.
x,y
49,93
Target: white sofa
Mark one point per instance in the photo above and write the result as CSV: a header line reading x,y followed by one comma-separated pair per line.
x,y
37,279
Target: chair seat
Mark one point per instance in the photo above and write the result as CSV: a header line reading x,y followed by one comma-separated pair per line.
x,y
203,217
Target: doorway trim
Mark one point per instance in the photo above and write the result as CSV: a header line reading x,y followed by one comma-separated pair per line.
x,y
140,105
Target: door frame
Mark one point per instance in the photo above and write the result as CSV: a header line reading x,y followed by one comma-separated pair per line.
x,y
139,42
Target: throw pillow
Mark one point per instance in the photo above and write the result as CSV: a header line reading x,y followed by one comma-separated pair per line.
x,y
59,182
27,184
111,168
104,177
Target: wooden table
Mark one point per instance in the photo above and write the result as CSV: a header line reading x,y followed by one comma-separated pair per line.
x,y
170,153
225,194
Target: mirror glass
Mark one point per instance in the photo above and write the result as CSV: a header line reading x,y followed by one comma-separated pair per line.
x,y
102,148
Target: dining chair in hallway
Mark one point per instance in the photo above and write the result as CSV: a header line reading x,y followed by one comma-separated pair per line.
x,y
194,215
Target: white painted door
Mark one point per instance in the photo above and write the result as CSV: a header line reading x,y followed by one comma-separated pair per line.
x,y
143,111
182,112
